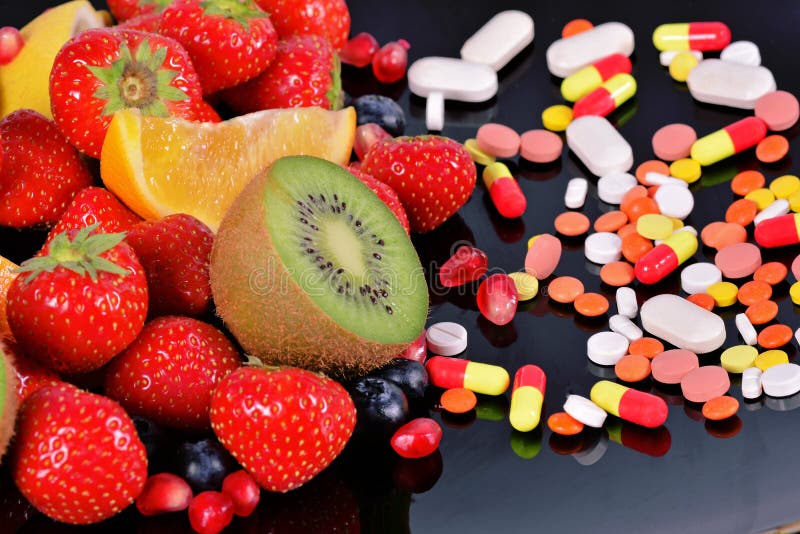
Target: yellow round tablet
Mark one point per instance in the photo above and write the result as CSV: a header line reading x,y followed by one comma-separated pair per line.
x,y
794,293
677,224
478,156
762,197
770,358
557,118
682,65
686,169
738,358
723,293
785,186
654,226
527,285
794,202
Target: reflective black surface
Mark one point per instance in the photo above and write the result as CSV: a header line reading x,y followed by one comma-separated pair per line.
x,y
690,476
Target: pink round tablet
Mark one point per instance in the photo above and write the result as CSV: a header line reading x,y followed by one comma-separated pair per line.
x,y
796,268
498,140
779,109
705,383
674,141
543,256
738,260
671,366
541,146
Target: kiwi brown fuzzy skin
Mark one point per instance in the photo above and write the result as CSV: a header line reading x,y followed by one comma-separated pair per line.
x,y
282,326
10,403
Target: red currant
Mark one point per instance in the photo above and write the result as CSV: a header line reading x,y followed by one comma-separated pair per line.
x,y
389,63
10,44
243,491
417,438
164,493
359,50
210,512
366,136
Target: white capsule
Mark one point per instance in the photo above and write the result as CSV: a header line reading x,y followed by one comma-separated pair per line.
x,y
571,54
446,339
434,112
698,277
606,348
626,302
623,325
743,52
746,329
666,57
725,83
776,208
575,196
751,383
603,247
585,411
612,187
599,145
499,40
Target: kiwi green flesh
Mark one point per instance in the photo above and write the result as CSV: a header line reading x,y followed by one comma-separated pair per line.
x,y
345,249
8,399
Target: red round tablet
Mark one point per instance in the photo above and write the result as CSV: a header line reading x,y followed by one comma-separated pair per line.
x,y
541,146
779,109
674,141
498,140
738,260
705,383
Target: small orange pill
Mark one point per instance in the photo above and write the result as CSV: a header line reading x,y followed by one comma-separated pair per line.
x,y
649,347
572,223
774,336
564,289
653,165
747,181
564,424
641,206
635,246
704,300
591,304
610,222
576,26
753,292
638,191
772,148
632,368
628,229
617,273
719,234
762,312
742,212
720,408
652,190
458,400
772,273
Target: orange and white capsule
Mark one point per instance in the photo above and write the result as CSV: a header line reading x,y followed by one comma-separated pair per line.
x,y
700,36
450,373
581,83
612,94
527,398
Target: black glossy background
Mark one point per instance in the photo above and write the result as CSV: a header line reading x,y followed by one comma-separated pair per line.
x,y
704,483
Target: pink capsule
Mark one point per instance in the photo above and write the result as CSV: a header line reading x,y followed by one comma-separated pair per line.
x,y
466,265
497,299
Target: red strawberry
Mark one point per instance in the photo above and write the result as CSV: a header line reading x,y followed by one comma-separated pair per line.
x,y
229,41
205,112
385,193
149,22
305,73
328,18
80,302
78,458
124,10
41,172
169,372
434,176
31,375
101,71
175,252
284,425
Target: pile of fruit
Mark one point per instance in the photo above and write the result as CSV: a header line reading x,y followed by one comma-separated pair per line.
x,y
216,279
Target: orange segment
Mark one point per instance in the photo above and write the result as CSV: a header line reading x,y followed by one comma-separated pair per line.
x,y
6,277
159,166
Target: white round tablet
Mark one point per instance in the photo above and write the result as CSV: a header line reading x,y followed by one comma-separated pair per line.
x,y
585,411
626,302
781,380
606,348
612,187
744,52
697,277
603,247
446,339
674,200
666,57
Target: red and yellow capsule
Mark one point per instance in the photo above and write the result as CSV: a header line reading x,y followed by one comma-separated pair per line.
x,y
728,141
665,258
701,36
527,398
450,373
504,190
629,404
779,231
581,83
612,94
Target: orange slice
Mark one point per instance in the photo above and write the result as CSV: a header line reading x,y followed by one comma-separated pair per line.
x,y
159,166
6,277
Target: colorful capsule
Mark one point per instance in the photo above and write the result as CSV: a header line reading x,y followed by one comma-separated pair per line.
x,y
779,231
506,194
527,397
665,258
449,373
700,36
581,83
728,141
606,98
629,404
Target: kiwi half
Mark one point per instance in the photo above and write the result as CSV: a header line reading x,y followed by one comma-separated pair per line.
x,y
310,268
8,398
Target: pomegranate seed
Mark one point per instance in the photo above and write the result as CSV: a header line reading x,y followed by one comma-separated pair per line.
x,y
210,512
10,44
417,351
389,63
359,50
497,299
243,491
417,438
366,136
164,493
466,265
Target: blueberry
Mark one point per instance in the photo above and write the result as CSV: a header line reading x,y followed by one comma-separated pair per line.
x,y
381,406
411,376
156,442
381,110
204,464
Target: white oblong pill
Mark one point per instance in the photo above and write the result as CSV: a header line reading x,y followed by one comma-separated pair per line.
x,y
685,325
585,411
612,187
623,325
781,380
599,145
603,247
497,42
751,383
571,54
746,329
455,79
775,209
697,277
674,200
446,339
575,196
656,178
606,348
666,57
725,83
626,302
434,112
743,52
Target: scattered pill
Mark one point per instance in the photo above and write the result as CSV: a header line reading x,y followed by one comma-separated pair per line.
x,y
591,304
564,289
498,140
794,293
652,165
654,226
506,195
540,146
738,358
603,247
449,373
732,139
666,57
527,397
585,411
781,380
794,202
669,367
666,257
772,148
705,383
630,404
742,211
556,118
606,348
478,156
646,346
543,256
610,221
656,179
499,40
581,83
527,285
754,291
434,112
746,329
774,336
762,312
762,197
785,186
724,83
626,302
720,408
719,234
575,196
704,300
779,231
628,229
564,424
698,277
632,368
623,325
458,400
612,187
634,247
640,206
796,267
576,26
617,273
743,52
723,293
779,109
702,36
607,97
572,223
673,141
681,65
686,169
770,358
446,338
568,55
685,325
497,299
751,383
738,260
599,145
747,181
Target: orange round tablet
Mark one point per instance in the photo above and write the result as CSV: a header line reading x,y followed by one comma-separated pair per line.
x,y
704,300
635,246
753,292
632,368
617,273
564,289
719,235
652,190
772,273
762,312
720,408
572,223
591,304
742,212
747,181
635,192
774,336
649,347
610,222
628,229
575,26
458,400
772,148
653,165
641,206
564,424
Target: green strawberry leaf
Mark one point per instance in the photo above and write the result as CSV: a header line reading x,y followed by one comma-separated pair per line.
x,y
240,11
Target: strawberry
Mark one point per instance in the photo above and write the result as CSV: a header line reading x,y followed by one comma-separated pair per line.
x,y
78,458
385,193
175,252
229,41
124,10
41,172
79,302
205,112
103,70
433,176
149,22
31,375
283,425
327,18
305,73
169,372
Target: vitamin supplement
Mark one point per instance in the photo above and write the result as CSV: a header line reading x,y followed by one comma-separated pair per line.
x,y
794,293
434,112
669,367
565,289
585,411
623,325
746,329
640,206
686,169
681,65
581,83
723,83
774,336
626,302
738,358
506,195
698,277
564,424
499,40
603,247
446,338
762,197
747,181
478,156
612,187
762,312
751,383
630,404
632,368
527,397
590,304
497,299
599,145
543,256
732,139
466,265
540,146
720,408
646,346
634,247
556,118
617,273
628,229
770,358
575,196
772,148
723,293
417,438
665,258
754,291
779,231
526,284
449,373
609,96
654,226
571,223
794,202
784,186
742,52
704,300
667,56
498,140
779,109
576,26
738,260
568,55
653,165
606,348
742,211
673,141
705,383
702,36
685,325
610,221
719,235
796,266
657,179
458,400
781,380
